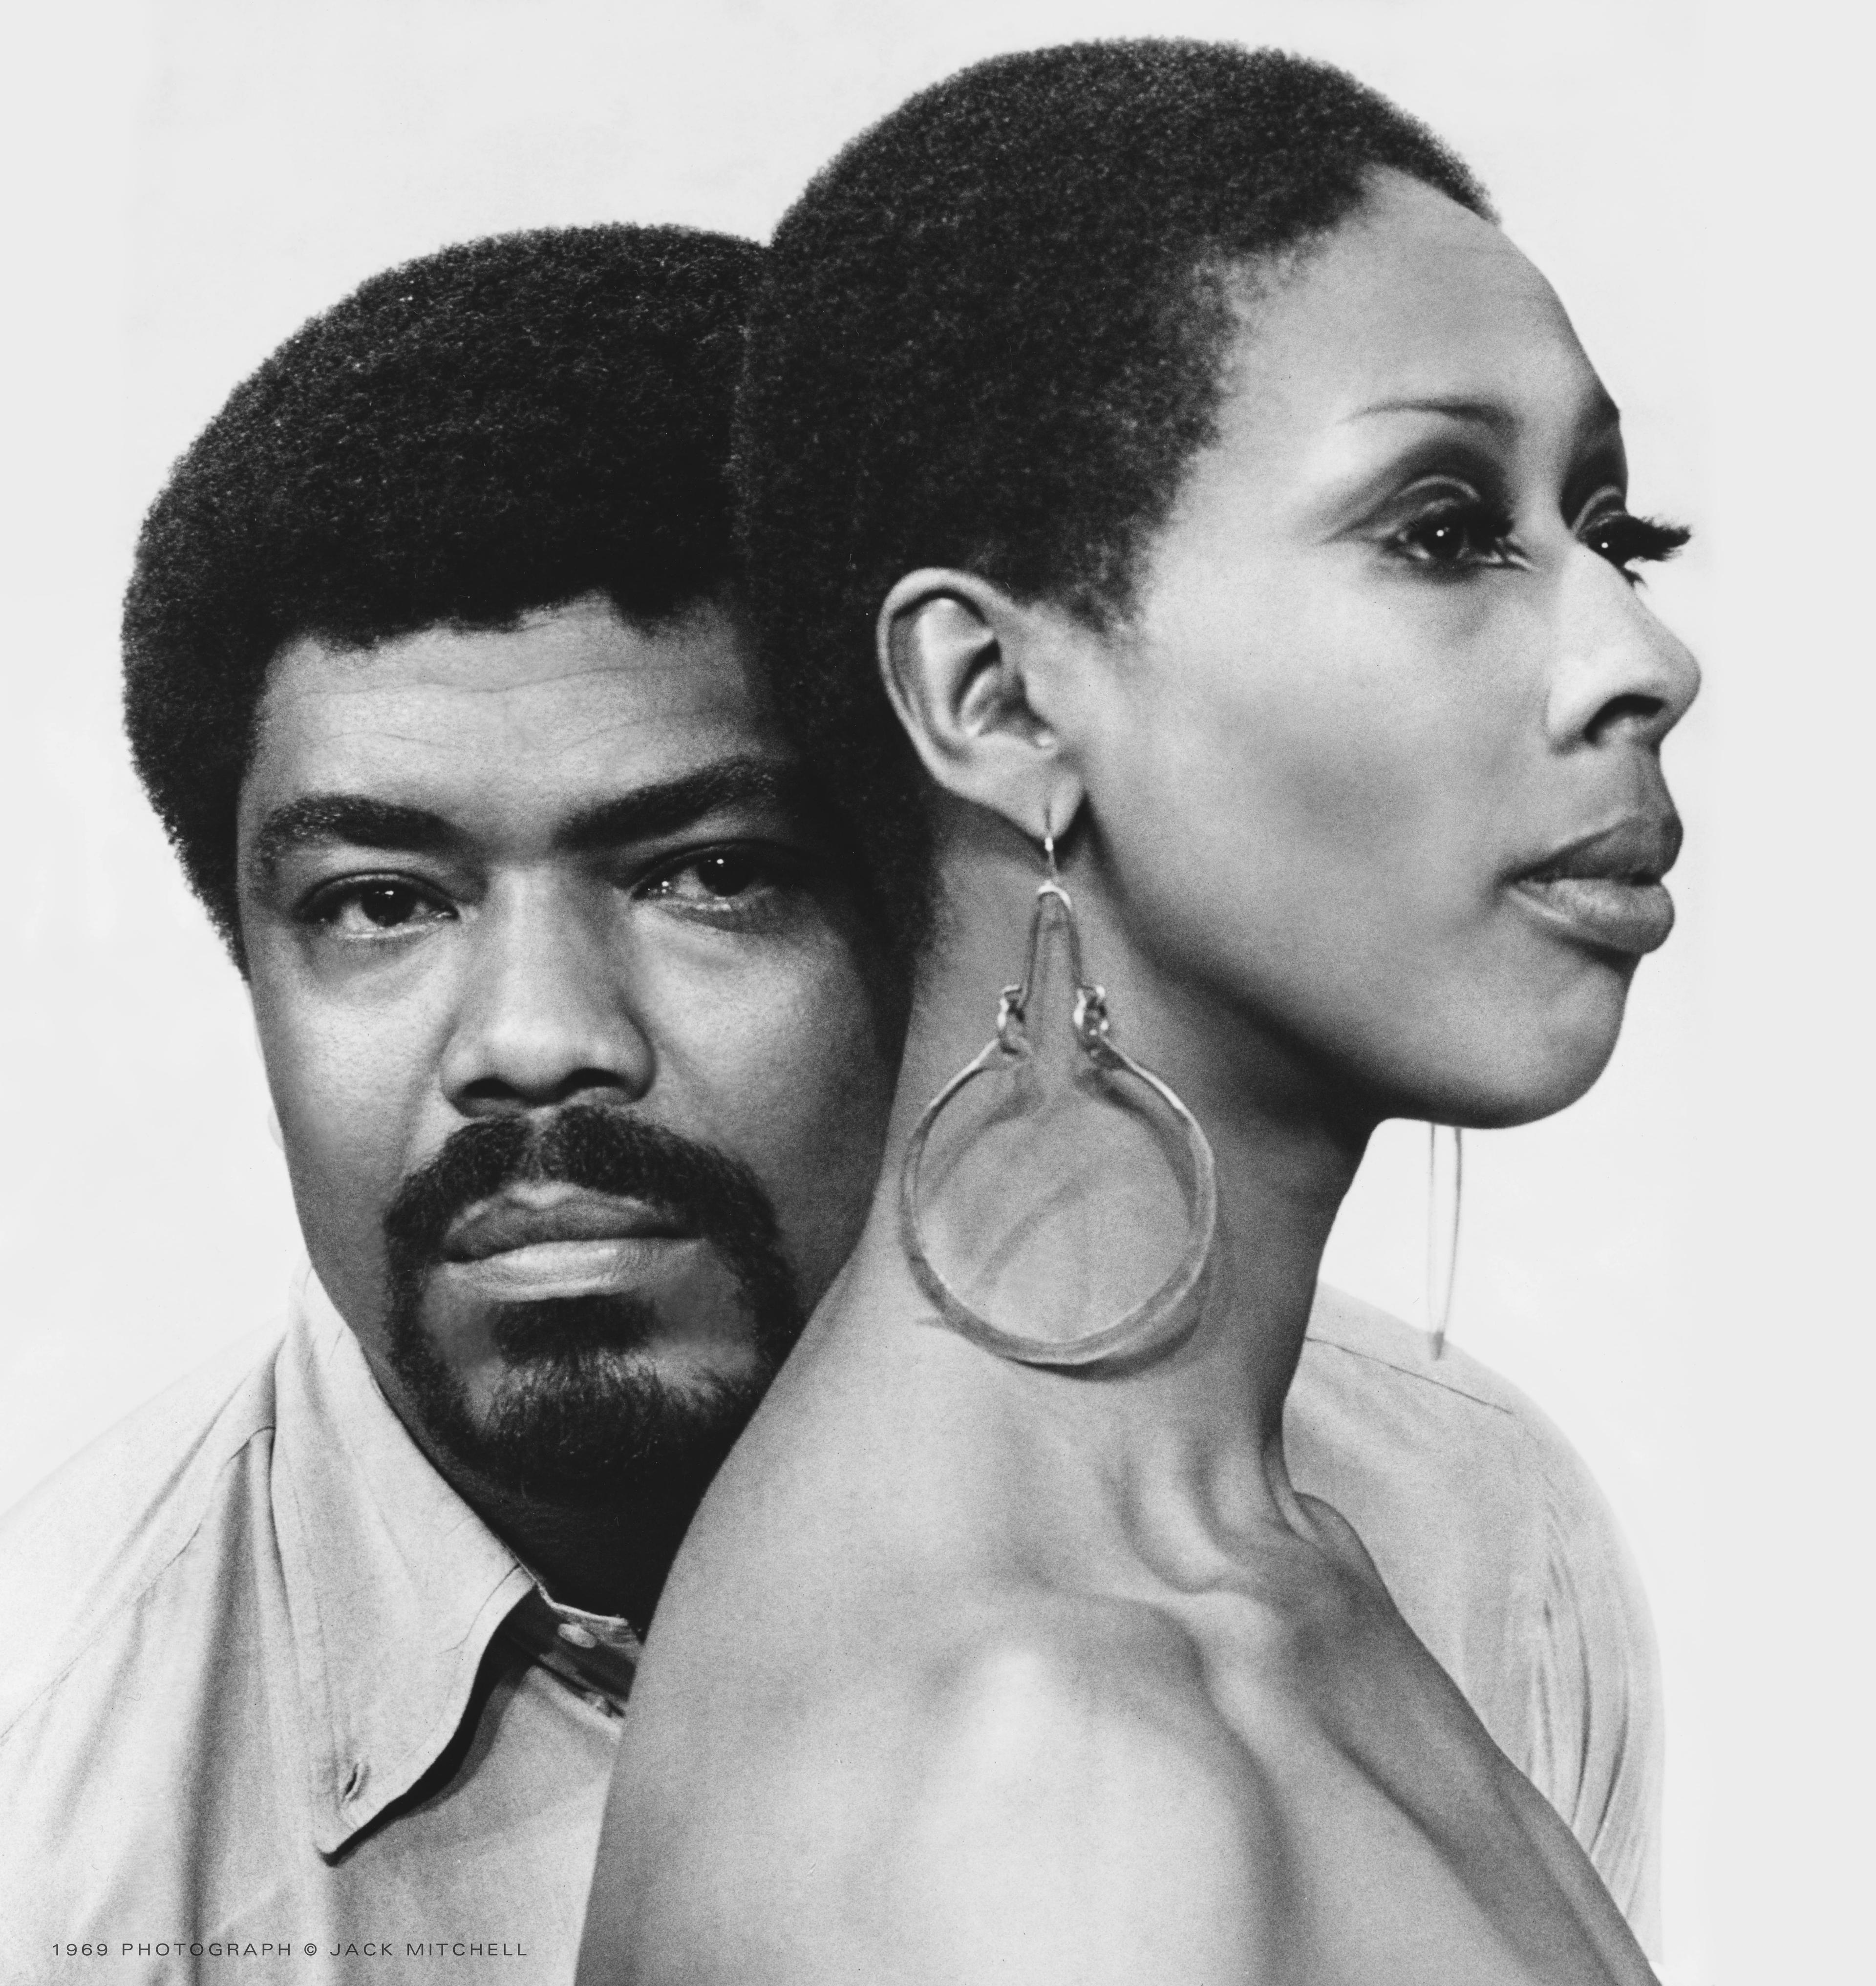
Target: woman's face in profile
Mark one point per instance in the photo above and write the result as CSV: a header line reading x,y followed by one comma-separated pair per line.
x,y
1377,760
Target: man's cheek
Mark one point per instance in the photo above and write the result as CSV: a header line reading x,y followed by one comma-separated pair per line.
x,y
345,1156
348,1173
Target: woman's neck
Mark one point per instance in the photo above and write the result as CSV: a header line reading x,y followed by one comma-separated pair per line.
x,y
1210,1410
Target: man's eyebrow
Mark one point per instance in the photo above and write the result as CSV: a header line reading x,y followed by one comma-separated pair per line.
x,y
674,804
665,807
316,819
1599,412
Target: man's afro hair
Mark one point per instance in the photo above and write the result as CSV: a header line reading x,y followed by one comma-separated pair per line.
x,y
990,336
504,426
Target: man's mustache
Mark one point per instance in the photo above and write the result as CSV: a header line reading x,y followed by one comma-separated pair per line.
x,y
601,1149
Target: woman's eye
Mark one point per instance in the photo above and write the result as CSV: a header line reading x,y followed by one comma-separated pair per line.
x,y
1627,541
1456,537
374,911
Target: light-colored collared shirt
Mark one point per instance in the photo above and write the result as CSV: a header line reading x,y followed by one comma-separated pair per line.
x,y
1500,1552
276,1704
271,1684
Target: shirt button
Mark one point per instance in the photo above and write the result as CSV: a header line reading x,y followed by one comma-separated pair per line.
x,y
580,1637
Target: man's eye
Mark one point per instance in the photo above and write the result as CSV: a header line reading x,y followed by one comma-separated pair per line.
x,y
373,910
725,879
729,874
1455,537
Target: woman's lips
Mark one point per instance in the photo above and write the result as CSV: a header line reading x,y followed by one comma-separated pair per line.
x,y
1632,918
1605,889
539,1240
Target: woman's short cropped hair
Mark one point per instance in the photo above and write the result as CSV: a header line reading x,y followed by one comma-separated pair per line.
x,y
992,336
504,426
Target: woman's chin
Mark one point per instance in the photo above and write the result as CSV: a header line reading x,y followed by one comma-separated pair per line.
x,y
1496,1085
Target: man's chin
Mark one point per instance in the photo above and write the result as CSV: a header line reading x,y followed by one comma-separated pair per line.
x,y
590,1405
640,1392
613,1432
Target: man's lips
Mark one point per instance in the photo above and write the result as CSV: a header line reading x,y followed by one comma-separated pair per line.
x,y
537,1240
532,1212
1605,889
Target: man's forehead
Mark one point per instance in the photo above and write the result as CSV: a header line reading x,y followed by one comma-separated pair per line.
x,y
573,707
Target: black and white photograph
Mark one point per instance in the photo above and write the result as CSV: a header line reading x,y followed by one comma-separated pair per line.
x,y
940,985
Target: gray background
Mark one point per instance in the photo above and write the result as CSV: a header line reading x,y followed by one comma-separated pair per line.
x,y
1675,1268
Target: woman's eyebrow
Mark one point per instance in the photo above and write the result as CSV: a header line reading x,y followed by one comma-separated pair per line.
x,y
1597,413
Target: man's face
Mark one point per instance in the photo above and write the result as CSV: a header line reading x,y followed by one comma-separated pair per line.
x,y
564,1015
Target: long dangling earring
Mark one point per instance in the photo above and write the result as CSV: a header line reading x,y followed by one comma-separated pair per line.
x,y
1161,1319
1445,1187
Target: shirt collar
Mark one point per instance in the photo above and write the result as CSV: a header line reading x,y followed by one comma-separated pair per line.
x,y
593,1653
394,1585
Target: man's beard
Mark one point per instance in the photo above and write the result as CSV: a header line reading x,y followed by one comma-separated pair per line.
x,y
582,1419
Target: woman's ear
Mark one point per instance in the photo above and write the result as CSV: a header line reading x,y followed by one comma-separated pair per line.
x,y
958,657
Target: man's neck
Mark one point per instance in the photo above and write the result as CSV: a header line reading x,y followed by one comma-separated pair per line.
x,y
604,1562
611,1560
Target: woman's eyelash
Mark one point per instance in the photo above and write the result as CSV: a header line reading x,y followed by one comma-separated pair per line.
x,y
1457,534
1625,540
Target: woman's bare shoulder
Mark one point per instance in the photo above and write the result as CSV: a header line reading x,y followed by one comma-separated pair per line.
x,y
1026,1799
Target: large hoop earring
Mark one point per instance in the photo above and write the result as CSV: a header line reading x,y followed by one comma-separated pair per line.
x,y
1445,1193
1160,1320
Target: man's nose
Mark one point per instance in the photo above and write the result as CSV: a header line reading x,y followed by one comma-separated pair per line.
x,y
1621,672
546,1015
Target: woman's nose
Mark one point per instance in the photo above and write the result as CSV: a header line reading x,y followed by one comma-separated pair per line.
x,y
546,1016
1620,671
